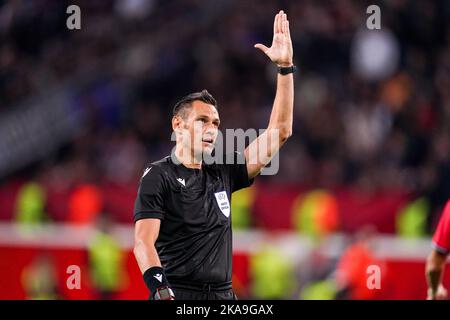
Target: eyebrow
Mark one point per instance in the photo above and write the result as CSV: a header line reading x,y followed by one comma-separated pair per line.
x,y
203,116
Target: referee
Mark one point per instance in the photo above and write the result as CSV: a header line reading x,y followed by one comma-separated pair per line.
x,y
182,214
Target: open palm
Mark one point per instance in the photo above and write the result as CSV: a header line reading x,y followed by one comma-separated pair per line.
x,y
281,50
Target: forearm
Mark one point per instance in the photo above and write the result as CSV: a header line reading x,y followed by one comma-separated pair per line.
x,y
283,106
260,151
434,278
434,271
146,255
152,272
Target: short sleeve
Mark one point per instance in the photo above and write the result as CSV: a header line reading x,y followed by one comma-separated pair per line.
x,y
150,196
441,238
237,171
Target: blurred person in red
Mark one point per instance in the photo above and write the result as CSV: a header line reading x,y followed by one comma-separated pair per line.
x,y
435,265
85,204
351,271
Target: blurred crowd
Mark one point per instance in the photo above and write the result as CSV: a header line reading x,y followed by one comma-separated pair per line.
x,y
132,60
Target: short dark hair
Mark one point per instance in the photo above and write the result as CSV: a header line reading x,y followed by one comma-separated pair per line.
x,y
186,102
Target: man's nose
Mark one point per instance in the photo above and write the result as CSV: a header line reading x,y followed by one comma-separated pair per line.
x,y
210,131
208,128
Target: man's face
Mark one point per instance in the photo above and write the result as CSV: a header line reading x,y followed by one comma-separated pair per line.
x,y
199,128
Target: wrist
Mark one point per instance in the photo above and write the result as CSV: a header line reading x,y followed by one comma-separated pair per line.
x,y
431,293
155,280
286,70
285,64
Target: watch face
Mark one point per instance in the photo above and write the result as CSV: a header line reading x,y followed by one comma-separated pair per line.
x,y
164,294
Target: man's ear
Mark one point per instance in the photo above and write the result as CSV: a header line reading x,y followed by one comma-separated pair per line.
x,y
176,123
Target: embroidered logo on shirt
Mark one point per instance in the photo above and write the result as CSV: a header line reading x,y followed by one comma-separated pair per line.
x,y
146,171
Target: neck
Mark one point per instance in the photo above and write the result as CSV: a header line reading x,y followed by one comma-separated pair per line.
x,y
187,158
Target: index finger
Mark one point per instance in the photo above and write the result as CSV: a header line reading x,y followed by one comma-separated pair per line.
x,y
275,23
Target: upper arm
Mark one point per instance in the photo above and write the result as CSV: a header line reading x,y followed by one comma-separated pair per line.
x,y
148,212
261,150
150,197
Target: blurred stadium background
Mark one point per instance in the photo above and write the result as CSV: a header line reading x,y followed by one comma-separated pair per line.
x,y
361,182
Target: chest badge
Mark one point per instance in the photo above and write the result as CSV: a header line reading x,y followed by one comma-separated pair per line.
x,y
222,201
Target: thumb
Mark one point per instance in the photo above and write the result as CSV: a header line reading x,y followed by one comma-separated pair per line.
x,y
261,47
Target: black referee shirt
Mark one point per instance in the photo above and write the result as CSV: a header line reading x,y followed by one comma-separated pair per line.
x,y
195,238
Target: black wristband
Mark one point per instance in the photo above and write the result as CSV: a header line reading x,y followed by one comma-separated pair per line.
x,y
286,70
155,278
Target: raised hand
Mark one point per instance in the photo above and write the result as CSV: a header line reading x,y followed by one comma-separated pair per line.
x,y
281,50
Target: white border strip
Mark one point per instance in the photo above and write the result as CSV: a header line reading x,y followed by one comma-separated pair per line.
x,y
292,245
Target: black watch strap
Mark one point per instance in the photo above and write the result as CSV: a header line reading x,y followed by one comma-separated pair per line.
x,y
286,70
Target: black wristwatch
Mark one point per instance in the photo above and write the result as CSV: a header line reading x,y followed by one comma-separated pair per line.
x,y
286,70
164,293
